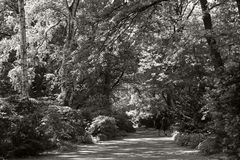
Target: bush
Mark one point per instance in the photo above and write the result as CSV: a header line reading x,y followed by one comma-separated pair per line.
x,y
65,146
209,146
29,127
27,148
6,88
124,123
62,123
191,140
104,127
19,120
7,116
87,138
195,139
223,104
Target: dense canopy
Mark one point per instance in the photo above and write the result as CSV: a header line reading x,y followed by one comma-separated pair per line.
x,y
179,58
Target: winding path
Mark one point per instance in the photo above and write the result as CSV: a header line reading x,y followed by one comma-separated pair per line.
x,y
144,144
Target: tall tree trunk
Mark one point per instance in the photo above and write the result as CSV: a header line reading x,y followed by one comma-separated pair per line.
x,y
238,5
66,84
107,89
214,53
23,48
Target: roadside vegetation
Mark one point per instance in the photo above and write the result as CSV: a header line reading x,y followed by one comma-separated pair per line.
x,y
84,71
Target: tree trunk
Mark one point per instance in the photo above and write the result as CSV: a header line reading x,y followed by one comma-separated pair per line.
x,y
214,53
66,84
23,49
107,89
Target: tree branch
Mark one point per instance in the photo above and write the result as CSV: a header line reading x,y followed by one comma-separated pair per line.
x,y
66,4
190,13
46,33
216,5
143,8
119,78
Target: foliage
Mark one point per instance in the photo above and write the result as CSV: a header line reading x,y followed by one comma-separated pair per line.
x,y
62,123
38,87
30,126
175,57
124,122
87,138
22,117
104,127
224,108
209,146
191,140
7,117
147,121
6,88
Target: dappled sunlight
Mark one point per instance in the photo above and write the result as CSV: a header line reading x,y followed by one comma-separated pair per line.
x,y
68,156
149,139
190,151
131,147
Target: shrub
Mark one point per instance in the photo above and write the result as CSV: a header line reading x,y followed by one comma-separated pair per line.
x,y
192,140
104,127
7,116
62,123
195,139
223,104
87,138
124,123
27,148
209,146
20,120
65,146
6,88
181,139
29,127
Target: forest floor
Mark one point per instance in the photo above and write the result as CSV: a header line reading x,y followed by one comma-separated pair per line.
x,y
144,144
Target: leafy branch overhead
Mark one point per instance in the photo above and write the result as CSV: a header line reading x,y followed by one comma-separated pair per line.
x,y
104,59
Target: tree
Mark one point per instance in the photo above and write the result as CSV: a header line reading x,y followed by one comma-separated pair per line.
x,y
214,51
66,85
23,49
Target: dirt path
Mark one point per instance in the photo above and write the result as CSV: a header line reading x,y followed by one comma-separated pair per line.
x,y
144,144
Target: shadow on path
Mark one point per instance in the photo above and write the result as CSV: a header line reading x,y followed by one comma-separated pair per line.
x,y
144,144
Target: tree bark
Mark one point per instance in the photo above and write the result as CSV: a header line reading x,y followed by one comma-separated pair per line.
x,y
214,53
107,89
23,49
66,85
107,79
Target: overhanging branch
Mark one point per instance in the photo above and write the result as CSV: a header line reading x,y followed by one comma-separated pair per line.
x,y
118,80
143,8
